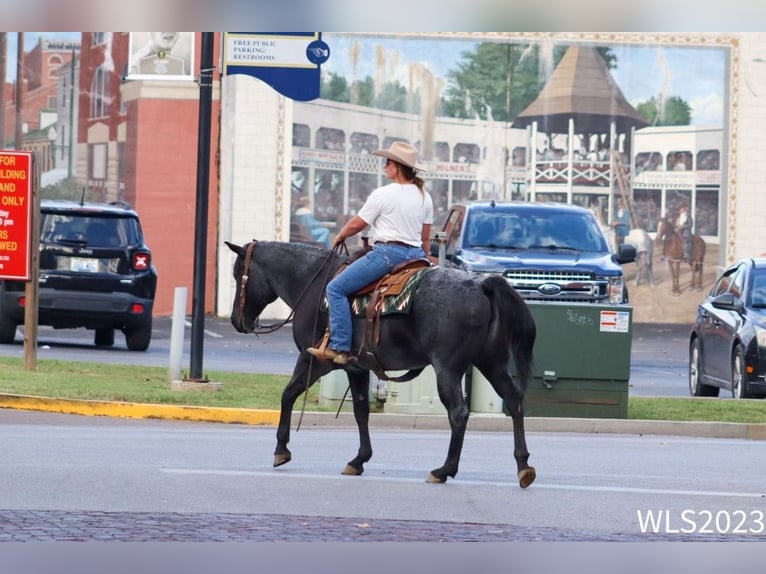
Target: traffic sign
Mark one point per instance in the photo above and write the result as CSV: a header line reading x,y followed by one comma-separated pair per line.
x,y
15,214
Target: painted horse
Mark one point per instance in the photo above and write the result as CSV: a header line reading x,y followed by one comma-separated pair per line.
x,y
673,249
455,320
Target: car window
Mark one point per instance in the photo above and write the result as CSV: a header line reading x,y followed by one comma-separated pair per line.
x,y
737,285
95,231
758,297
724,282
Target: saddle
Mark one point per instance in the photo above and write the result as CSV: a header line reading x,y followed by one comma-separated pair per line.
x,y
392,293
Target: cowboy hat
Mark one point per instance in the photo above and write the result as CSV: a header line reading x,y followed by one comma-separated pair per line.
x,y
402,153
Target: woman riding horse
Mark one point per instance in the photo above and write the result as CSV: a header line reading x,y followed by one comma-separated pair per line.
x,y
400,214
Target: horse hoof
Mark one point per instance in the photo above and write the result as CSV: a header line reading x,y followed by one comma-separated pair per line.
x,y
280,459
349,470
527,477
435,480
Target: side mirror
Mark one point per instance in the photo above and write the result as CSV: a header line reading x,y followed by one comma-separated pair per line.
x,y
626,253
728,302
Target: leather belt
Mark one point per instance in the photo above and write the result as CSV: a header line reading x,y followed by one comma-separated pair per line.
x,y
399,243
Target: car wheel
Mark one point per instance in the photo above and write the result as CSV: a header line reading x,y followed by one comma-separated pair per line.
x,y
139,339
696,387
7,330
104,337
738,374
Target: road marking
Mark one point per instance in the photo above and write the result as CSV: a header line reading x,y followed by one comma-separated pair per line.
x,y
209,333
537,485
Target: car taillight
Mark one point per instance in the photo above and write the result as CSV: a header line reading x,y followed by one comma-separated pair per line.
x,y
141,261
137,308
22,301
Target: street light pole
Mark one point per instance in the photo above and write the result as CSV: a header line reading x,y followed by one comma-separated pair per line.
x,y
203,185
72,127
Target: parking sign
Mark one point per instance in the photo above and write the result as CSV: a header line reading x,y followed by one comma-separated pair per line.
x,y
15,214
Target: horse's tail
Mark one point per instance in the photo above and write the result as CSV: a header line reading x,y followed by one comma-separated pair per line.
x,y
511,325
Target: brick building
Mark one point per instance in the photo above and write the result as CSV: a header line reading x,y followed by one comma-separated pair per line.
x,y
41,66
137,142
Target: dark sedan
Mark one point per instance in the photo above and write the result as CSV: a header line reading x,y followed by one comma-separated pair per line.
x,y
727,344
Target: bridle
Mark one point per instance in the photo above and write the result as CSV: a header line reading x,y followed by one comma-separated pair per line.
x,y
258,330
266,329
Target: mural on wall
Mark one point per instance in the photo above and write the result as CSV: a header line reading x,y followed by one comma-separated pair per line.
x,y
534,120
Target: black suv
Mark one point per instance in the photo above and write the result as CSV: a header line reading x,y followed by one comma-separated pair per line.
x,y
546,251
95,272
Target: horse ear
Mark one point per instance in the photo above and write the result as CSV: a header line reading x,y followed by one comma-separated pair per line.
x,y
236,248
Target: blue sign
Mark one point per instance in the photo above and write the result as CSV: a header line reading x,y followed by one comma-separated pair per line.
x,y
288,61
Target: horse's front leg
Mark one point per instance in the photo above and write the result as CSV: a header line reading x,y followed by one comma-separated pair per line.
x,y
359,386
449,385
300,381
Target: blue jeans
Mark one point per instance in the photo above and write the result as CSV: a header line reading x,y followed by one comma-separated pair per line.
x,y
374,265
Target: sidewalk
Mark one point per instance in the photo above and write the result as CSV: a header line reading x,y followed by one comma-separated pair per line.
x,y
477,422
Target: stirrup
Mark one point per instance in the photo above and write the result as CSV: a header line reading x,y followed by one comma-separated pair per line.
x,y
327,354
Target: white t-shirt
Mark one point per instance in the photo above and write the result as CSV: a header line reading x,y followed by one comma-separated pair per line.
x,y
397,212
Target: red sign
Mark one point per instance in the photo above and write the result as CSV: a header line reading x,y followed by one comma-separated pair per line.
x,y
15,214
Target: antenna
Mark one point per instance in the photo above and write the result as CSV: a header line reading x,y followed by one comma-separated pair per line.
x,y
82,198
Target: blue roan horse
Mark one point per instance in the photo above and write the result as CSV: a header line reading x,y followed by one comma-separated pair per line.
x,y
455,321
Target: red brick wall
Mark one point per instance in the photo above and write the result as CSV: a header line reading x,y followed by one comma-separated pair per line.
x,y
162,186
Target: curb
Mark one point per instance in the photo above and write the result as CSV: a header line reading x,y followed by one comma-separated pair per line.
x,y
476,422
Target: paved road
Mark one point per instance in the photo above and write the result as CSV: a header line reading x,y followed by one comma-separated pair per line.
x,y
658,357
71,478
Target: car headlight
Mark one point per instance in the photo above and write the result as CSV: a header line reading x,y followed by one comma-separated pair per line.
x,y
616,285
760,333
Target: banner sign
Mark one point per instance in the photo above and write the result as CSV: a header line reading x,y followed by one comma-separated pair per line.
x,y
288,61
15,214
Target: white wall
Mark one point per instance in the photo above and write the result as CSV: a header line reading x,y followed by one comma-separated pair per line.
x,y
748,235
256,139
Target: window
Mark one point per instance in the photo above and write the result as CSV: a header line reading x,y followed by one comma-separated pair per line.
x,y
709,159
99,94
97,161
679,161
723,284
466,153
330,138
363,143
648,161
301,135
98,38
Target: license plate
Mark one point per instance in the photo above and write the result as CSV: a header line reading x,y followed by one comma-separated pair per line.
x,y
86,265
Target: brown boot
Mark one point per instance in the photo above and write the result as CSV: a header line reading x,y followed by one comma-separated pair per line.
x,y
327,354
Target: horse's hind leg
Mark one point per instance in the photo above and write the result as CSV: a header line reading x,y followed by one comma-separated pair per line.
x,y
508,390
449,385
294,388
359,383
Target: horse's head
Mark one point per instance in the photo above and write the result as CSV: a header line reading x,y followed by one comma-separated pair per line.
x,y
253,289
665,229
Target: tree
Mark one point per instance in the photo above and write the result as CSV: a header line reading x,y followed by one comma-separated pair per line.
x,y
676,112
335,88
499,80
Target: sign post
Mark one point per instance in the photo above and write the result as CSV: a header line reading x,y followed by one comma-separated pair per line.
x,y
19,245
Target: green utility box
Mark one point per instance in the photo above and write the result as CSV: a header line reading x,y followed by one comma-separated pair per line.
x,y
581,368
582,361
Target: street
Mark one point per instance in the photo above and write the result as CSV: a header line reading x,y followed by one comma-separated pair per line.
x,y
91,478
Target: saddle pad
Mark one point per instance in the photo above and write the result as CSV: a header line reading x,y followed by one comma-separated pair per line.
x,y
398,301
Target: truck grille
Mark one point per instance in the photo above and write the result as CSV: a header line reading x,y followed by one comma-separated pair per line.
x,y
560,286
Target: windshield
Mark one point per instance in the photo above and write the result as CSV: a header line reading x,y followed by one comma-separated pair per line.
x,y
758,296
535,230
